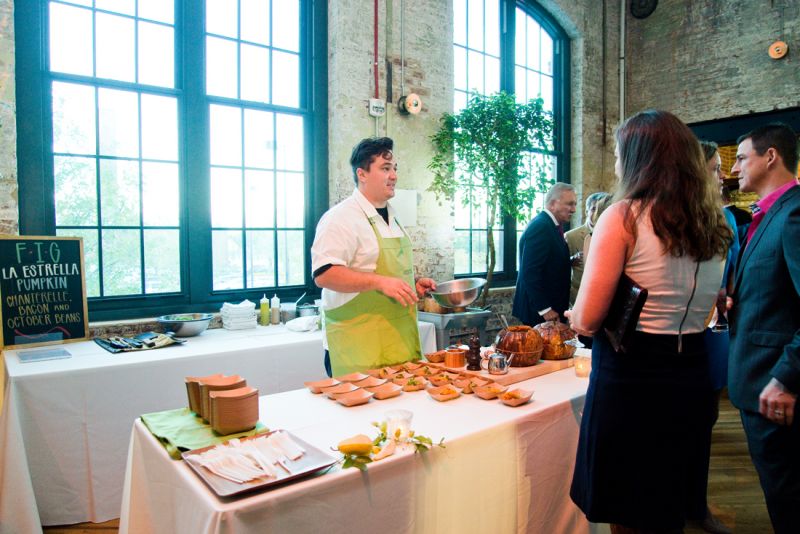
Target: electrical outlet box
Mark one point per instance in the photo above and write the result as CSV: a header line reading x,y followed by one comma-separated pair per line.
x,y
377,107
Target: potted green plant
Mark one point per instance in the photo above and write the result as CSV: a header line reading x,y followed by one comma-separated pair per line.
x,y
481,152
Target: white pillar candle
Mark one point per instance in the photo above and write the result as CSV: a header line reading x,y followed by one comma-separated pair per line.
x,y
583,366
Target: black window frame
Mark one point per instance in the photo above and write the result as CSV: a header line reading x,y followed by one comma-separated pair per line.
x,y
35,166
561,115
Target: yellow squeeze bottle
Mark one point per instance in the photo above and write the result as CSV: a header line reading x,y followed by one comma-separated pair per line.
x,y
263,316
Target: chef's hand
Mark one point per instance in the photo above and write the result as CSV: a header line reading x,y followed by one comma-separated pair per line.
x,y
397,289
424,285
576,260
777,403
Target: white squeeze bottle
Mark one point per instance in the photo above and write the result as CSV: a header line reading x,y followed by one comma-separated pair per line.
x,y
263,309
275,310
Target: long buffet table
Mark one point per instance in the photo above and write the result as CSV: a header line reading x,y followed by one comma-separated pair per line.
x,y
503,470
65,424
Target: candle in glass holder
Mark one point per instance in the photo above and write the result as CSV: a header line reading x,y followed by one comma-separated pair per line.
x,y
398,424
583,366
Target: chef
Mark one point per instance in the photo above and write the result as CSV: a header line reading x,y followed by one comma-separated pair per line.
x,y
362,260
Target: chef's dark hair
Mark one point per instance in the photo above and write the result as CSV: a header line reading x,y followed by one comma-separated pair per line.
x,y
775,135
367,150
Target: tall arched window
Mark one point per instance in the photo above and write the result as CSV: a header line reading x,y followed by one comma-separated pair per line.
x,y
516,47
176,137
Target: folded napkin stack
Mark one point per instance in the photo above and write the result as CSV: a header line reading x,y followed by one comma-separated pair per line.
x,y
309,323
238,316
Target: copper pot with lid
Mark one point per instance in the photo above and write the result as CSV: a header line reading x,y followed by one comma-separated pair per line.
x,y
522,343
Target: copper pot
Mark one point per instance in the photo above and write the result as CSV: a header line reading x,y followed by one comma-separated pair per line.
x,y
522,343
554,334
455,358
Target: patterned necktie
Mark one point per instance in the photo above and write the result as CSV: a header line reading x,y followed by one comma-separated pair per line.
x,y
758,214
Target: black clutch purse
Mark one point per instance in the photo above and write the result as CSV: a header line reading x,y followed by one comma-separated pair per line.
x,y
623,314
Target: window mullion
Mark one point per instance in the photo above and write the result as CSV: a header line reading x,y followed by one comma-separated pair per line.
x,y
507,55
194,134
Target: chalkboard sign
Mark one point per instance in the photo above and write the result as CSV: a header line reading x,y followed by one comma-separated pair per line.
x,y
43,291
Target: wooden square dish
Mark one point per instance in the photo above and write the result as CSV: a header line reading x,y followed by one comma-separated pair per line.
x,y
515,397
424,371
401,378
489,391
344,387
386,390
316,386
415,383
352,377
370,382
354,398
440,379
384,372
444,393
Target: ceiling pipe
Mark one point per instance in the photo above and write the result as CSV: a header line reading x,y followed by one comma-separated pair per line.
x,y
622,13
603,44
402,49
375,48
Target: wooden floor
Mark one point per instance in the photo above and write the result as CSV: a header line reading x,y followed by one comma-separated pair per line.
x,y
734,494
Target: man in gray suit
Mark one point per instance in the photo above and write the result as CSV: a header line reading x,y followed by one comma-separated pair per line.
x,y
575,239
764,371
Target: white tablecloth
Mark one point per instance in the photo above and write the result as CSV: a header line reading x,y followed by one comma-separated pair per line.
x,y
503,470
65,424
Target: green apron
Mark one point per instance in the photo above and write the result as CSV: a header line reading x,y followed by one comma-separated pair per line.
x,y
373,330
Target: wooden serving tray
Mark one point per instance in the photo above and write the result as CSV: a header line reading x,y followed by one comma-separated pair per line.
x,y
515,374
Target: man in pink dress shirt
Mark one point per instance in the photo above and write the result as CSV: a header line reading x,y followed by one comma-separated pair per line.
x,y
764,369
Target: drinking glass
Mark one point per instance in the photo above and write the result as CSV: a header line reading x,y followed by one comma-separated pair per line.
x,y
398,424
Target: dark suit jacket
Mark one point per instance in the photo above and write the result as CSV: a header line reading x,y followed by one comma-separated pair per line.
x,y
544,271
765,319
742,216
743,219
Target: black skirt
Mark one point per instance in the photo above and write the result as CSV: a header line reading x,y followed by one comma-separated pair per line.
x,y
645,435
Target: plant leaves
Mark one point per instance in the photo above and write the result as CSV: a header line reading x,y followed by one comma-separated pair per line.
x,y
359,462
493,153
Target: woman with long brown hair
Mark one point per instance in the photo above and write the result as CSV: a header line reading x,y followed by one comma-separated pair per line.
x,y
642,459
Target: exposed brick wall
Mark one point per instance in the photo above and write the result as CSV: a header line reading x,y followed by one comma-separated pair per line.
x,y
595,114
707,59
9,216
428,73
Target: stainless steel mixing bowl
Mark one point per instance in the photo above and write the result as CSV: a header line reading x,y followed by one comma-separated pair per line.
x,y
186,324
458,293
